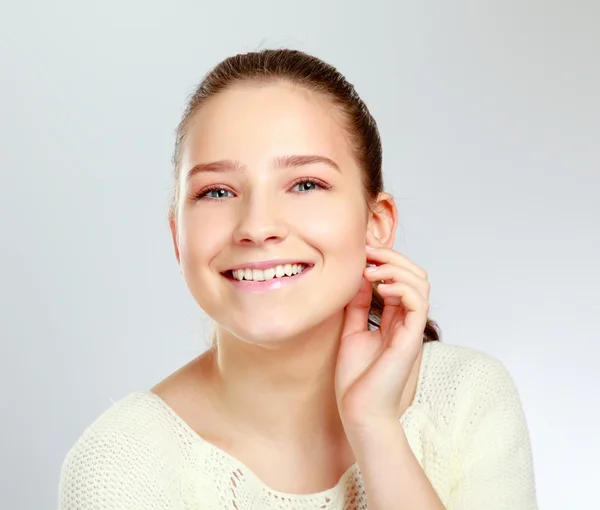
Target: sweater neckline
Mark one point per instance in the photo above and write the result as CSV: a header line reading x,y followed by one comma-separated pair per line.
x,y
326,493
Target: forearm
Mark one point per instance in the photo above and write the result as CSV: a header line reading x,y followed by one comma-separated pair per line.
x,y
392,475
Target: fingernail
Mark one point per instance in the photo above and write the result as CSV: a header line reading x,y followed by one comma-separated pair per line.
x,y
371,269
371,248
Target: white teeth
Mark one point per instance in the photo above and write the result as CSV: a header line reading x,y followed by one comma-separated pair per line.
x,y
259,275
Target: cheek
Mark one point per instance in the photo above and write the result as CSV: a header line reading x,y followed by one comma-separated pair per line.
x,y
199,240
335,227
339,234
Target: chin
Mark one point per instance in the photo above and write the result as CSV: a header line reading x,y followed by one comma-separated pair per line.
x,y
272,332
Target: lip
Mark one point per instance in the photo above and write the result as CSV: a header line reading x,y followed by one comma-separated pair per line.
x,y
267,264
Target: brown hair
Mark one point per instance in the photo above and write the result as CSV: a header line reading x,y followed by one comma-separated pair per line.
x,y
312,74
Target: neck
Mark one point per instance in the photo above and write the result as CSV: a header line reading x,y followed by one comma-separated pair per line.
x,y
283,394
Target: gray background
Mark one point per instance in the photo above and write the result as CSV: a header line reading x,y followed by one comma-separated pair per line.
x,y
489,113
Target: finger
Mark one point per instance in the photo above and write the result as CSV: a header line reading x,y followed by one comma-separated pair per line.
x,y
390,273
357,311
403,293
416,308
388,255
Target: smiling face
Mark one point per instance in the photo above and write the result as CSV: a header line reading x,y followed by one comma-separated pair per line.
x,y
268,178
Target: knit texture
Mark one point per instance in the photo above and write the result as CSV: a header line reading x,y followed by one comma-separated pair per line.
x,y
466,427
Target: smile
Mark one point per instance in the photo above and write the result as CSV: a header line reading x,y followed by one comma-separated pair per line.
x,y
268,276
260,275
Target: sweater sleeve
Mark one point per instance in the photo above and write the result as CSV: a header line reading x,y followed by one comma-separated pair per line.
x,y
496,470
117,464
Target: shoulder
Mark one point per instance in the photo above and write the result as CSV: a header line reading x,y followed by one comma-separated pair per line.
x,y
138,419
478,421
464,365
461,380
125,459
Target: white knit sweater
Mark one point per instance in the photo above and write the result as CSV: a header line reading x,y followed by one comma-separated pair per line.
x,y
466,427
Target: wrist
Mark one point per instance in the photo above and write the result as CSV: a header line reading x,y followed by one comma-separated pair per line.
x,y
376,436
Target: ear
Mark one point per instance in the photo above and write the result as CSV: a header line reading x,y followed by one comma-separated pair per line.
x,y
383,220
175,237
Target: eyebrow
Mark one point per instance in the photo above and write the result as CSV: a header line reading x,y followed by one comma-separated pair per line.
x,y
291,161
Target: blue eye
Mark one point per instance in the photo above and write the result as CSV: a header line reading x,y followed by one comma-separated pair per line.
x,y
213,194
218,193
307,185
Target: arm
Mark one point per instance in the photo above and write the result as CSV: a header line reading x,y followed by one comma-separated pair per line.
x,y
392,475
492,466
497,466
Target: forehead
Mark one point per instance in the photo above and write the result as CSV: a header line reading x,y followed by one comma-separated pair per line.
x,y
253,122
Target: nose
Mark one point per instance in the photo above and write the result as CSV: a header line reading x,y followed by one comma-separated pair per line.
x,y
260,222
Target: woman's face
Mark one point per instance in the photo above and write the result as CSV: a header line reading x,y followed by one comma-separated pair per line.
x,y
268,179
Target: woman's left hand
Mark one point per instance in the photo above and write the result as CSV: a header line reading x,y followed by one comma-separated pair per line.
x,y
373,367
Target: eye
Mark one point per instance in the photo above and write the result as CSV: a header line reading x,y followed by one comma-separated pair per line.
x,y
308,184
214,193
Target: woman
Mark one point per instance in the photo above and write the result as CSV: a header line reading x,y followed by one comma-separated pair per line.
x,y
327,386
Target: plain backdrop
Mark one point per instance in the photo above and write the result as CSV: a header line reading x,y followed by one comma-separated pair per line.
x,y
489,113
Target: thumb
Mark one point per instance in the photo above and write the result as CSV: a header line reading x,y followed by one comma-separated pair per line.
x,y
357,311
